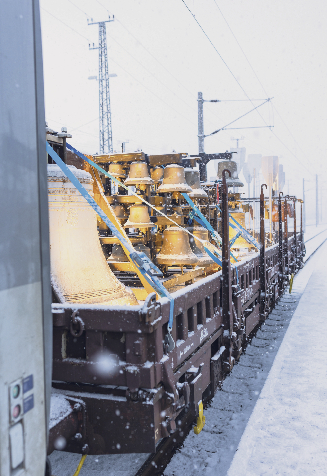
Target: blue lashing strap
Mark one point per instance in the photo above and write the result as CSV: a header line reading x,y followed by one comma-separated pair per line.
x,y
144,264
200,218
216,257
232,241
246,235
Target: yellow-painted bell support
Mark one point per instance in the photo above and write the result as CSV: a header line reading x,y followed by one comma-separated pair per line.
x,y
200,422
100,199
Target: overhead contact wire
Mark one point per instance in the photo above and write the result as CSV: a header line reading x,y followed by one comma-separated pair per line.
x,y
264,90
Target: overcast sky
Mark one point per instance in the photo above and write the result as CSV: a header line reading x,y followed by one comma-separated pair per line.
x,y
162,59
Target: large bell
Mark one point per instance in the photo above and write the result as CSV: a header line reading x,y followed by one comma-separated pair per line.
x,y
233,180
174,180
117,170
198,248
138,174
79,270
193,179
176,250
138,217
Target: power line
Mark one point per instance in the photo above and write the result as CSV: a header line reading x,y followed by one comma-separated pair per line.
x,y
204,32
153,75
249,127
154,94
241,49
232,100
66,24
83,125
255,74
156,59
160,99
222,59
222,128
102,5
163,66
70,1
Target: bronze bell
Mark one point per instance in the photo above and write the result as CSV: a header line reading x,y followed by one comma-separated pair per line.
x,y
79,271
117,253
138,217
138,174
176,250
119,211
233,180
157,174
144,249
117,170
198,248
193,179
174,180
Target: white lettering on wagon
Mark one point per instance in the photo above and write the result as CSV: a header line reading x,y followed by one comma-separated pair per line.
x,y
187,348
204,333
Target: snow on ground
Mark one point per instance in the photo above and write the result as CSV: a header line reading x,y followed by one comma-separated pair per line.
x,y
65,464
213,449
286,433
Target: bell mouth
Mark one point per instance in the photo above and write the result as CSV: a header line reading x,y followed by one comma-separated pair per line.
x,y
174,187
234,182
130,224
204,260
114,174
177,260
198,193
117,255
139,181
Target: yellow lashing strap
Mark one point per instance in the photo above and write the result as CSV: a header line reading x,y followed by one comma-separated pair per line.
x,y
291,282
200,421
80,464
101,200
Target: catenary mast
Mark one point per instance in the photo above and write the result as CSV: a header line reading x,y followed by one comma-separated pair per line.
x,y
105,128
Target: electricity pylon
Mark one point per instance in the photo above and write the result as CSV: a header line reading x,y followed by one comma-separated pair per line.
x,y
105,128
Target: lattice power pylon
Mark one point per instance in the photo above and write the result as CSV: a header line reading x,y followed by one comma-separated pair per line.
x,y
105,129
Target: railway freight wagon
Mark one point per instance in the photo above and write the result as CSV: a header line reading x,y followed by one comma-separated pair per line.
x,y
146,323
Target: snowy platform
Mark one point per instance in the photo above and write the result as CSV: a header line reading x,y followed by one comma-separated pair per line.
x,y
286,433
